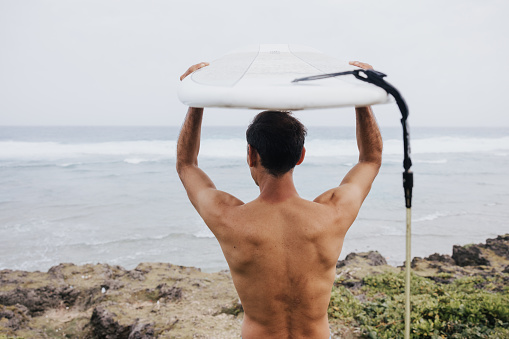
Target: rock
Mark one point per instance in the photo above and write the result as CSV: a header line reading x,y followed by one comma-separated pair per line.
x,y
443,258
415,262
141,331
162,291
56,271
60,302
170,293
112,285
353,284
499,245
105,326
16,316
469,256
40,299
506,269
372,258
136,274
472,255
376,259
113,272
5,277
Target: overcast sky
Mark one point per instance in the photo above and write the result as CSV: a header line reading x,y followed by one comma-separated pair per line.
x,y
106,62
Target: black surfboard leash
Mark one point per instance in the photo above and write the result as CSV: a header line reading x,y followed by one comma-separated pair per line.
x,y
377,78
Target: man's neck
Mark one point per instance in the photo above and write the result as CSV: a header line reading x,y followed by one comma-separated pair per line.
x,y
277,189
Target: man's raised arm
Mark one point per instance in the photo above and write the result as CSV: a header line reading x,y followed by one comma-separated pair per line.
x,y
354,188
188,147
208,201
369,142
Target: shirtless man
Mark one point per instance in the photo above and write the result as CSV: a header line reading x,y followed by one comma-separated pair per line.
x,y
281,249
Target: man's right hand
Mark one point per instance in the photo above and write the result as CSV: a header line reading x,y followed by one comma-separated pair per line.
x,y
193,68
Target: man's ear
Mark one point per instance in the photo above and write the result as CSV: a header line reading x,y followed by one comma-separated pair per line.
x,y
302,155
252,156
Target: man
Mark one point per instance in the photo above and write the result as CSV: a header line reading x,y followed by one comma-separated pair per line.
x,y
281,249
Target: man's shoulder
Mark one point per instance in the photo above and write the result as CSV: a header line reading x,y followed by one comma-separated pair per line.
x,y
301,207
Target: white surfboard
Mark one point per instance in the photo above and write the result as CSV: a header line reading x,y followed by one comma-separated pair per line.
x,y
260,77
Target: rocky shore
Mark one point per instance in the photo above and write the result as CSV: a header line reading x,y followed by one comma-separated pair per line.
x,y
157,300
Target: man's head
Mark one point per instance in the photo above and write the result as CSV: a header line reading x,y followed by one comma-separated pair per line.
x,y
278,138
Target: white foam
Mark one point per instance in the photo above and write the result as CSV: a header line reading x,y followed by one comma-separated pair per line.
x,y
135,161
54,150
70,164
236,148
223,148
438,161
431,217
327,148
204,233
458,145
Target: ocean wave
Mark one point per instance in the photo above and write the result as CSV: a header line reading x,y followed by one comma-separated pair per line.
x,y
430,217
204,233
136,161
70,164
373,235
437,215
459,145
133,239
438,161
396,159
44,150
133,151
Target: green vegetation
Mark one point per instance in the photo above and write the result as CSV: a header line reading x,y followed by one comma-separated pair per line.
x,y
235,309
470,307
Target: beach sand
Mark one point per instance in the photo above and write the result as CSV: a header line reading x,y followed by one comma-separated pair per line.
x,y
159,300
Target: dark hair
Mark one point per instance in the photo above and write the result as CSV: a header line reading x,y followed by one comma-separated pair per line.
x,y
278,138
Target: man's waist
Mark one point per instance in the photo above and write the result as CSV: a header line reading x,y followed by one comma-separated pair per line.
x,y
284,326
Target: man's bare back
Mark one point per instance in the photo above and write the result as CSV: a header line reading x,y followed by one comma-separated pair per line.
x,y
281,249
283,261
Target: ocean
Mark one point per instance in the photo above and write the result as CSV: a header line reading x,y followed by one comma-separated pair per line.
x,y
111,194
